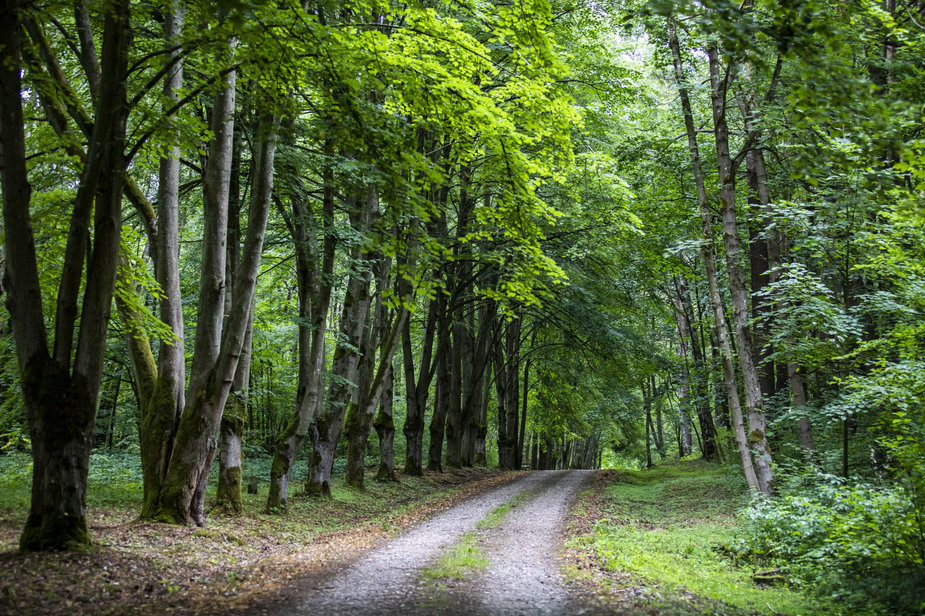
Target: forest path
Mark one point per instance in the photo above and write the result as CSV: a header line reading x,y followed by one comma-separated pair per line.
x,y
522,575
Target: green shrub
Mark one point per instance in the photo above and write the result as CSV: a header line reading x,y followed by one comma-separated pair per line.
x,y
859,544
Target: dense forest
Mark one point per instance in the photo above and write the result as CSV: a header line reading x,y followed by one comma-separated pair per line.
x,y
532,234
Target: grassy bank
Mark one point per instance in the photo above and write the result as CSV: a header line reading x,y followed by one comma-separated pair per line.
x,y
659,535
231,566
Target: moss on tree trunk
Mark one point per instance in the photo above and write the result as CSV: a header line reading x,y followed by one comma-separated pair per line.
x,y
231,435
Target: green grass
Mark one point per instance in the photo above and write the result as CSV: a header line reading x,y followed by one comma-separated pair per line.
x,y
461,560
465,557
497,515
666,525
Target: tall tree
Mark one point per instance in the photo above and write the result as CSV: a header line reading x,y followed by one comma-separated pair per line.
x,y
60,387
709,263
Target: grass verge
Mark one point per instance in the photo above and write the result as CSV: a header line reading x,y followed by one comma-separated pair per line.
x,y
663,531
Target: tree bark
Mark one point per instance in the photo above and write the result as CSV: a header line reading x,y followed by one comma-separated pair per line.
x,y
416,390
60,391
715,297
231,429
442,393
360,413
507,369
385,430
754,403
798,401
685,445
182,500
710,446
314,288
523,416
325,430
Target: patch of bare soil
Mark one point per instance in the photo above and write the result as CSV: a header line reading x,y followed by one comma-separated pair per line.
x,y
235,565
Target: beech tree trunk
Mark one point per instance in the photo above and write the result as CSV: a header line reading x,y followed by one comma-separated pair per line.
x,y
360,412
754,403
442,393
685,445
719,316
182,499
455,422
507,370
479,457
60,390
325,431
416,390
477,361
384,335
160,412
231,429
385,430
523,416
709,445
314,269
798,401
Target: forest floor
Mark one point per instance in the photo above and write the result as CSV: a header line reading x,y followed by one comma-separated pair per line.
x,y
234,565
470,542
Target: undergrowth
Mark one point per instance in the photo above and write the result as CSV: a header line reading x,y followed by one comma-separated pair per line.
x,y
670,525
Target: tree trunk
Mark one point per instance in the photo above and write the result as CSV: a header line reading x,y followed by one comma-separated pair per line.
x,y
385,430
416,390
160,412
685,446
798,392
455,422
231,431
523,416
461,378
60,392
325,430
385,334
442,393
182,499
479,457
710,448
359,417
477,361
715,297
645,403
507,380
314,292
753,397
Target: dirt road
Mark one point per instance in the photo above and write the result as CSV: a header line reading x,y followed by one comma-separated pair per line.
x,y
522,575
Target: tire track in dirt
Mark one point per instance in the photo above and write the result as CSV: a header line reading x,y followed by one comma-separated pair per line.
x,y
385,580
523,575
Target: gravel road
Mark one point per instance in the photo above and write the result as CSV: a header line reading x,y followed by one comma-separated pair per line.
x,y
522,576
